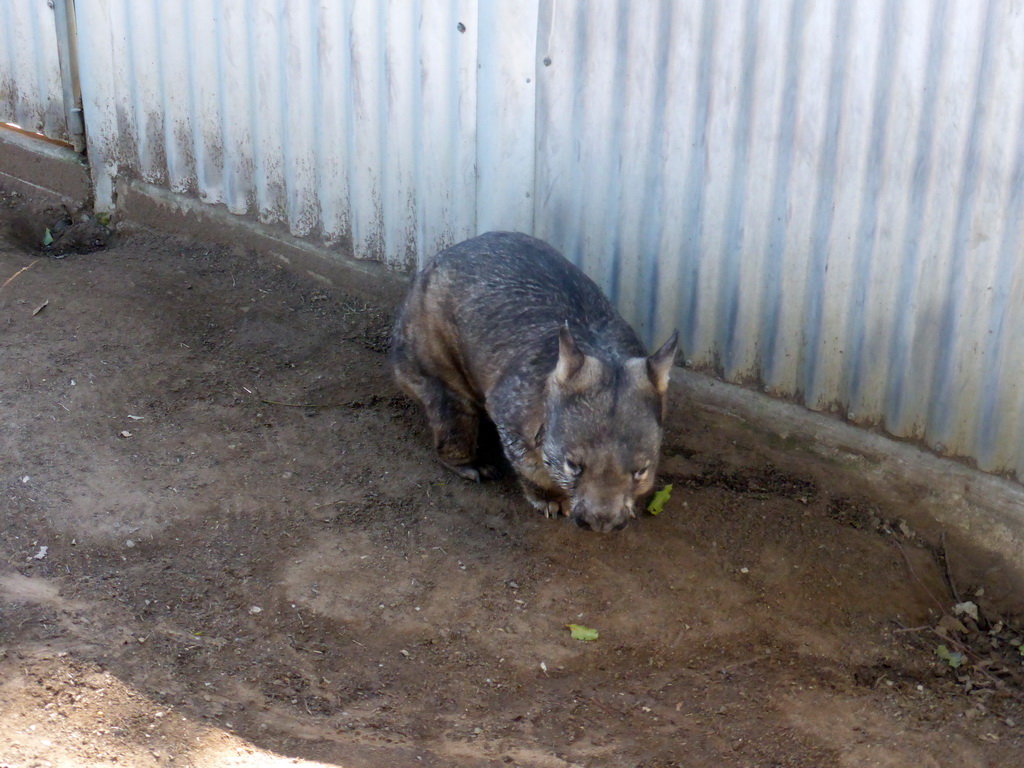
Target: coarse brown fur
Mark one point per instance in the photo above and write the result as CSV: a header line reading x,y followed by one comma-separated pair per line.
x,y
503,327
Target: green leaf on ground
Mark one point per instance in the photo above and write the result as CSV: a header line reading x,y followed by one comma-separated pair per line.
x,y
953,658
579,632
658,502
47,237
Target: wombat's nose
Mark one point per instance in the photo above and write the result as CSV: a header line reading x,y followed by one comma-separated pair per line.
x,y
601,526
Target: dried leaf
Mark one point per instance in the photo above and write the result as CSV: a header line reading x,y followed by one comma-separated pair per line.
x,y
658,502
953,658
40,308
579,632
966,607
950,624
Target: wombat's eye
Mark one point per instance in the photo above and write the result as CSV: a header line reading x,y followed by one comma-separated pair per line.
x,y
640,474
573,468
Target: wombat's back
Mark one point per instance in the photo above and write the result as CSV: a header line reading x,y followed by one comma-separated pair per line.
x,y
508,294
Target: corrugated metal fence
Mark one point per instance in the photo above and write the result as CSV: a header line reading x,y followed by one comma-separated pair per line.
x,y
31,93
39,89
825,197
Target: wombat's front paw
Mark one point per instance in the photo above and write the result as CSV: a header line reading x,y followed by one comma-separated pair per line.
x,y
551,508
475,473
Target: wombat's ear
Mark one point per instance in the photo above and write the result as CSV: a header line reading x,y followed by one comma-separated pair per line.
x,y
570,359
660,363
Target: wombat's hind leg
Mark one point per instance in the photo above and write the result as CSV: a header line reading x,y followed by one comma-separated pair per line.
x,y
454,421
456,426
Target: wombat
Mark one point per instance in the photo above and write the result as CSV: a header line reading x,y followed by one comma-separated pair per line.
x,y
503,326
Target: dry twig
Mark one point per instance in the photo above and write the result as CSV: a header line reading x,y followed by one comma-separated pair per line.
x,y
301,405
346,404
947,570
11,279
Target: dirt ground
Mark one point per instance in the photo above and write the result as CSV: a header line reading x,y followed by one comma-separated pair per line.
x,y
191,575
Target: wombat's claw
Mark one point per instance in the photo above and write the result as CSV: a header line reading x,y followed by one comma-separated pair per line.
x,y
475,474
488,472
466,472
550,508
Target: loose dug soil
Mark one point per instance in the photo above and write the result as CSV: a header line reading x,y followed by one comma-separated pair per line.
x,y
191,575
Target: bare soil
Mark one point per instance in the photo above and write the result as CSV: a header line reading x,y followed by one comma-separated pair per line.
x,y
224,540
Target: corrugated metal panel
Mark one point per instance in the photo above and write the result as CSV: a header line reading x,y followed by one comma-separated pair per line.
x,y
823,196
349,122
31,93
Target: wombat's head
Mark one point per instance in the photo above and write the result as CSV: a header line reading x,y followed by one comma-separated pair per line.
x,y
603,430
